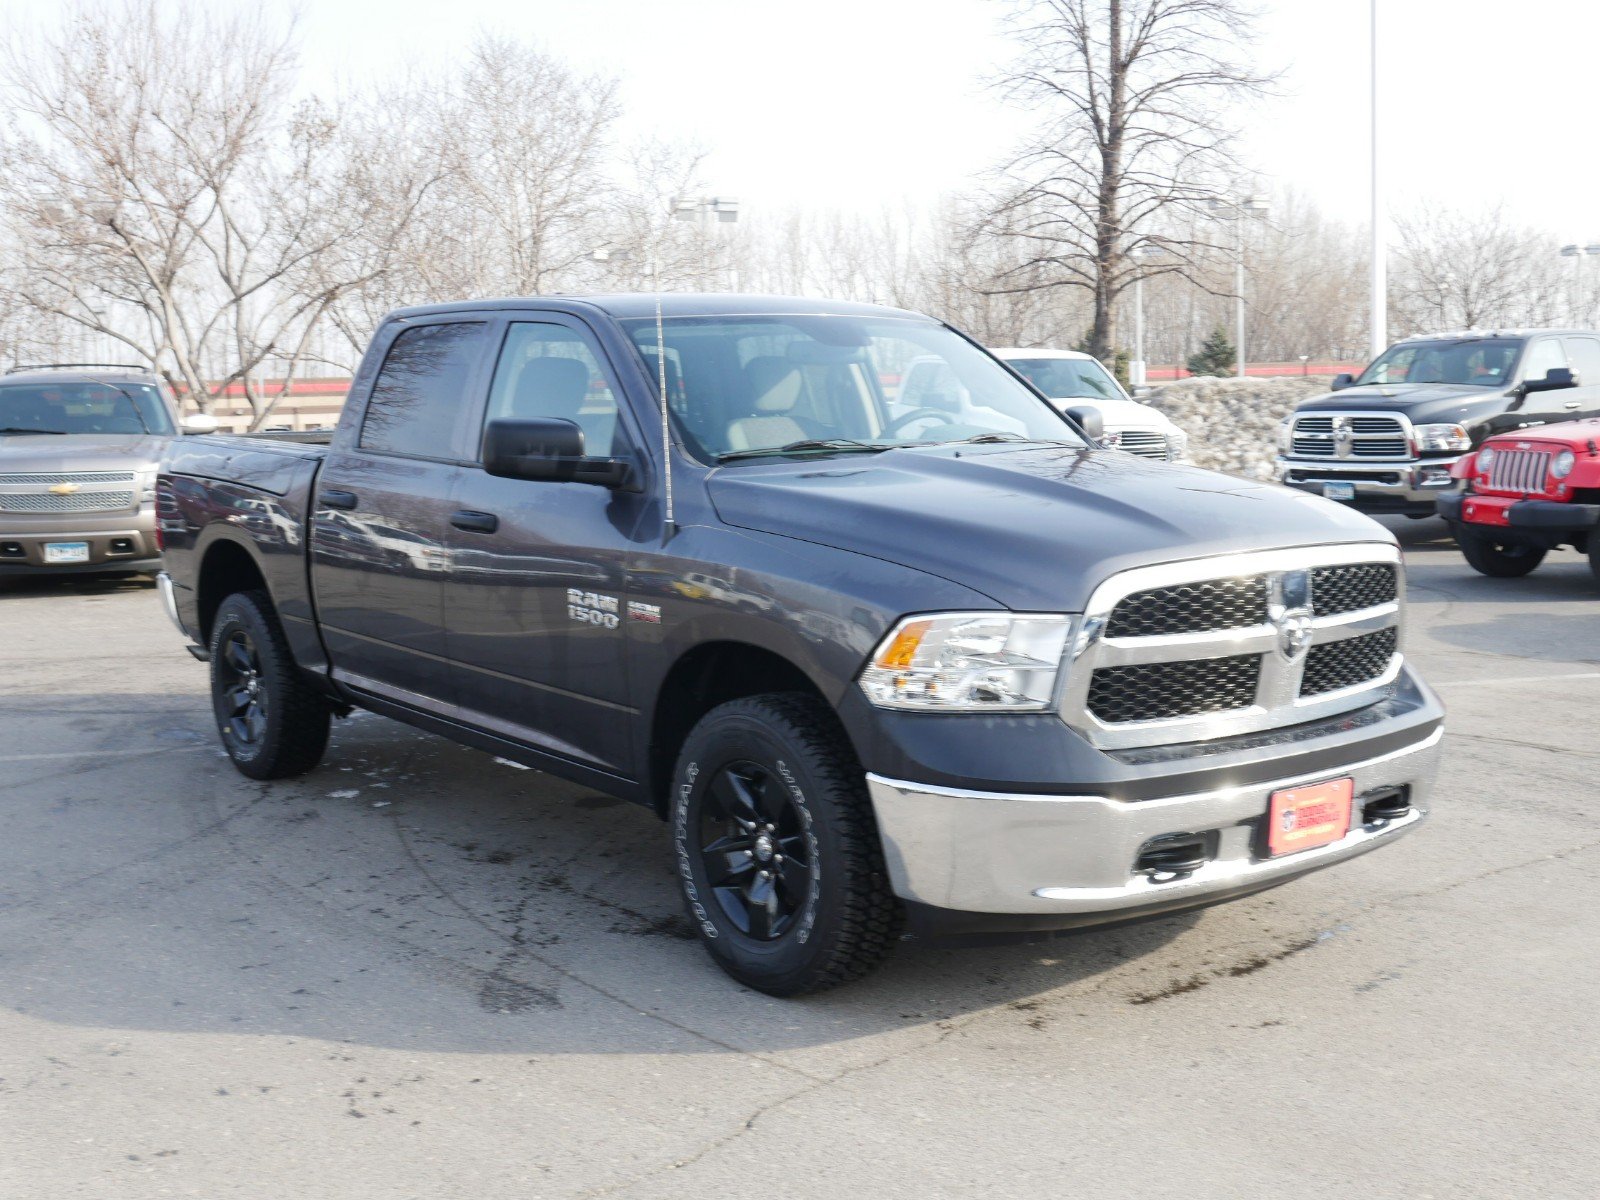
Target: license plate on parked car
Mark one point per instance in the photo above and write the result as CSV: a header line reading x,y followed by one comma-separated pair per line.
x,y
1339,491
1304,817
66,552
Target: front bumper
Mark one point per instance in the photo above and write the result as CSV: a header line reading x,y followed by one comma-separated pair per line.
x,y
1537,519
126,543
1409,487
990,862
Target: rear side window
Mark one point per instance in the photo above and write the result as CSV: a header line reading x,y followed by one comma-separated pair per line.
x,y
550,370
417,398
1584,354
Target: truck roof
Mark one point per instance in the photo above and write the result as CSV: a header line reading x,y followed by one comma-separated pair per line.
x,y
626,305
79,373
1469,334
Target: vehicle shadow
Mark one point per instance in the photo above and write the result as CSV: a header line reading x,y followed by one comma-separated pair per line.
x,y
76,584
413,893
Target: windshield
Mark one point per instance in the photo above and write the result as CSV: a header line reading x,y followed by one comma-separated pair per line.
x,y
82,408
1068,378
751,386
1472,362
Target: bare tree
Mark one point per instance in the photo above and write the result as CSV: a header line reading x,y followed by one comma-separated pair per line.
x,y
1469,269
164,198
1134,96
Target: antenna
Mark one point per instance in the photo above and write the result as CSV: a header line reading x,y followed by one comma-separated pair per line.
x,y
670,524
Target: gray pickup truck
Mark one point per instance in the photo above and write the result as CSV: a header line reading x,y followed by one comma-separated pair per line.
x,y
879,669
79,445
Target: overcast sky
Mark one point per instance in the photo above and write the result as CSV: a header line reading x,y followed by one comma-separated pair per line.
x,y
861,103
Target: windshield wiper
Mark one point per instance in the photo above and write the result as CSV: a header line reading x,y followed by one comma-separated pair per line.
x,y
841,445
19,429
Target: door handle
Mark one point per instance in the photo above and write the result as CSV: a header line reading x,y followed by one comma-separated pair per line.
x,y
337,499
476,522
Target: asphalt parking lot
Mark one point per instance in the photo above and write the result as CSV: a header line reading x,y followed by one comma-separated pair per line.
x,y
421,972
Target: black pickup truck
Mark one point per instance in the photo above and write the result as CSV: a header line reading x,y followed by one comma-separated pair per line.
x,y
879,667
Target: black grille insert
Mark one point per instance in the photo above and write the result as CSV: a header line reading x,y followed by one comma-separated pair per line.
x,y
1335,665
1191,608
1355,586
1161,691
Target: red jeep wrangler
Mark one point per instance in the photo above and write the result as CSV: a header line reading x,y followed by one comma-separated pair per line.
x,y
1526,493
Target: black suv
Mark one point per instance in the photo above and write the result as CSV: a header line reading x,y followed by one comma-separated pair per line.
x,y
1384,442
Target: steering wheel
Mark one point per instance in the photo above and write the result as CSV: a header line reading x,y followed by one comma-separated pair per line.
x,y
895,425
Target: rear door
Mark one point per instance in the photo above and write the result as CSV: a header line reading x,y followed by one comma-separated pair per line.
x,y
382,509
535,596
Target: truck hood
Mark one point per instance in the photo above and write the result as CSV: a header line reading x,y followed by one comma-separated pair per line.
x,y
27,453
1575,435
1421,403
1034,528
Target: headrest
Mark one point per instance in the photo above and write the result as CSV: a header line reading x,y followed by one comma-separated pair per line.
x,y
774,383
551,387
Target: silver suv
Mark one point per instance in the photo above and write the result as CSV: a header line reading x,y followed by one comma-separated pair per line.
x,y
79,447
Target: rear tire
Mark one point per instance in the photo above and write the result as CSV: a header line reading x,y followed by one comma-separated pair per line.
x,y
273,724
1594,555
1489,556
777,852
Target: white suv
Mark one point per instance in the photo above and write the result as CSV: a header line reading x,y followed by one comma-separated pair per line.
x,y
1069,378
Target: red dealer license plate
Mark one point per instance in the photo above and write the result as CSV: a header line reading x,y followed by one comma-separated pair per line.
x,y
1303,817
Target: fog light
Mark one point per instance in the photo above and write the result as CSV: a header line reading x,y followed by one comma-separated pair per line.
x,y
1434,477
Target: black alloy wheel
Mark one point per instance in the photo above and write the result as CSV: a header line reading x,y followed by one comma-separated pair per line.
x,y
273,722
754,846
239,680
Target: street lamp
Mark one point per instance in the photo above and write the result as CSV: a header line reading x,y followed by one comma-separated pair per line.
x,y
707,211
1143,253
1238,208
1578,254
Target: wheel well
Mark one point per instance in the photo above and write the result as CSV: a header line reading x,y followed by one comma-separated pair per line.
x,y
227,568
703,678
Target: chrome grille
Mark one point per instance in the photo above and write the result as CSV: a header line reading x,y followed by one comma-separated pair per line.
x,y
1350,435
1350,588
1143,442
1338,665
78,502
1234,644
1154,691
1191,608
45,480
1519,470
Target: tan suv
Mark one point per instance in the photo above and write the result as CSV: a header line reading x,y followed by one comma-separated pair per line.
x,y
79,447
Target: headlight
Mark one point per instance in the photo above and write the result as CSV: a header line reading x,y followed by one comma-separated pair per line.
x,y
968,662
1284,427
1177,444
1442,437
1562,466
1485,460
147,486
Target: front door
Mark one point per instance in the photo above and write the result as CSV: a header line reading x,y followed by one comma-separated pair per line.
x,y
381,512
535,599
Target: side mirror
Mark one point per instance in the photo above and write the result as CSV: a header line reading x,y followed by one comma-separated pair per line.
x,y
1554,380
547,449
200,423
1343,380
1090,419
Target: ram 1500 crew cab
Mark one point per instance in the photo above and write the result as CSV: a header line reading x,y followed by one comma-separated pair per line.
x,y
875,666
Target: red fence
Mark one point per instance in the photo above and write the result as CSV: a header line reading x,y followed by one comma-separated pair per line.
x,y
1155,374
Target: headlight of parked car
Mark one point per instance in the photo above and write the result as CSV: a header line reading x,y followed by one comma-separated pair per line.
x,y
968,662
1485,460
1442,437
1562,465
1284,427
1177,445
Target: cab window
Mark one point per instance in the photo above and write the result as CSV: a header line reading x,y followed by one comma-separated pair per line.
x,y
417,398
552,371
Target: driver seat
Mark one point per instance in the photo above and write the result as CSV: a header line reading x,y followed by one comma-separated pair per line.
x,y
775,385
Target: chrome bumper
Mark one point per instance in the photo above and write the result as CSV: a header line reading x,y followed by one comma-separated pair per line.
x,y
990,852
1414,480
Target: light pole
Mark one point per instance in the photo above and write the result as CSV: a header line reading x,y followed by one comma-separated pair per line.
x,y
1141,254
1578,254
706,212
1239,207
1380,262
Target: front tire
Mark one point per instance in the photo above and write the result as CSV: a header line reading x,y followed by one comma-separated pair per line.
x,y
1594,555
777,852
273,724
1490,556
